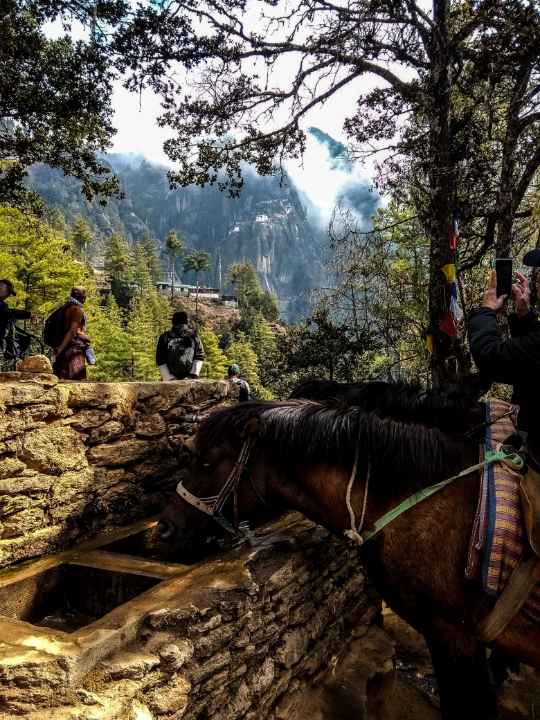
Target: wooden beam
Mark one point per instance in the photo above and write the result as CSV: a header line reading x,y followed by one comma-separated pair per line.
x,y
29,568
116,562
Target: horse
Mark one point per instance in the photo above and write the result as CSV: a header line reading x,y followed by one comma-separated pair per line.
x,y
302,458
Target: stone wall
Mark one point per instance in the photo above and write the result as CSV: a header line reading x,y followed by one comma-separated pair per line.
x,y
78,458
235,637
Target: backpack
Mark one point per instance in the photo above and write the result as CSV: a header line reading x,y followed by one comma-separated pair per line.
x,y
180,353
54,328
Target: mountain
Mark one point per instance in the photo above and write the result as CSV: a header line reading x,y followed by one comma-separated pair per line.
x,y
274,224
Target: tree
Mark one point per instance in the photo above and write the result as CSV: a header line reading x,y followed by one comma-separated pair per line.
x,y
426,62
142,335
55,94
38,259
197,261
215,363
81,236
149,245
252,299
263,342
174,247
119,268
111,341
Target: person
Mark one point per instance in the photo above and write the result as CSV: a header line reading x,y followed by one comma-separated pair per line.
x,y
179,352
72,352
244,392
515,360
8,317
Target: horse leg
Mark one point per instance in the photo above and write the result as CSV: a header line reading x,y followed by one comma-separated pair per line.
x,y
465,690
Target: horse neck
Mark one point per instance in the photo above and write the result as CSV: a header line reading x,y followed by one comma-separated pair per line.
x,y
319,491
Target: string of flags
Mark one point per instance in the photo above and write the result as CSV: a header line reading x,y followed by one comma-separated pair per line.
x,y
453,314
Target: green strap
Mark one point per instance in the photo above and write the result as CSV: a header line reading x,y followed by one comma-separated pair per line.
x,y
512,459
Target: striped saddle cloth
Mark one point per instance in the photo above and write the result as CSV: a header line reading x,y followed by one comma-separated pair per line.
x,y
498,539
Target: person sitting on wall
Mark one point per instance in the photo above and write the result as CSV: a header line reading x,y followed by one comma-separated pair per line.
x,y
180,352
244,392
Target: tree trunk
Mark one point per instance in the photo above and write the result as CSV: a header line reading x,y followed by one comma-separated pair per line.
x,y
441,180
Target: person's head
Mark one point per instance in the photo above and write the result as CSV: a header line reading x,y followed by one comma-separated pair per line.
x,y
79,294
233,371
180,318
6,289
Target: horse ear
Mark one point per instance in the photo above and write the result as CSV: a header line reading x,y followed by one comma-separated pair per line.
x,y
252,427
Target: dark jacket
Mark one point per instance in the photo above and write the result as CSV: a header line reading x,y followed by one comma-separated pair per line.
x,y
513,361
161,350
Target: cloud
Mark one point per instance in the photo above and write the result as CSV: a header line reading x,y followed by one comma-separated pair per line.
x,y
327,177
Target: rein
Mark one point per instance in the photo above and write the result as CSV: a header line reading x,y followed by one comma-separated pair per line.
x,y
512,459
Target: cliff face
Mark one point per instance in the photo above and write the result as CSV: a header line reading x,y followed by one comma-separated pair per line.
x,y
267,224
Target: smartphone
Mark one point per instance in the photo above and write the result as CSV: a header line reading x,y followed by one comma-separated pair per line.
x,y
503,271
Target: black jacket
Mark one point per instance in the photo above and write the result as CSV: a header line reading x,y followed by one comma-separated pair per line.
x,y
161,350
513,361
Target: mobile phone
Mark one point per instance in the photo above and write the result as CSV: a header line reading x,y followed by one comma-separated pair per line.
x,y
503,271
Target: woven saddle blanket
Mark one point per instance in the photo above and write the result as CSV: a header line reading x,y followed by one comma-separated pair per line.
x,y
498,540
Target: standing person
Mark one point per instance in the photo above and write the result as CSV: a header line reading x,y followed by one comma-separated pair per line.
x,y
179,352
244,392
8,318
65,331
515,360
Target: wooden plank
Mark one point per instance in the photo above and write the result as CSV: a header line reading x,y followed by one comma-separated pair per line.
x,y
116,562
29,568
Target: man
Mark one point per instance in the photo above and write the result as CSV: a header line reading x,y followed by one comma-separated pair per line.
x,y
179,353
72,343
515,360
8,316
244,393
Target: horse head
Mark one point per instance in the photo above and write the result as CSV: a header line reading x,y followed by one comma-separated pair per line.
x,y
184,528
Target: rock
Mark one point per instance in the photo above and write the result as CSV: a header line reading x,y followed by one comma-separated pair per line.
x,y
10,466
292,647
108,431
170,698
35,364
120,453
176,654
263,677
129,665
53,450
150,426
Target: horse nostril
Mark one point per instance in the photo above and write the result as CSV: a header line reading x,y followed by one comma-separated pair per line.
x,y
165,530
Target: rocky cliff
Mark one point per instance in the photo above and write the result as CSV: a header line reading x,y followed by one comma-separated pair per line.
x,y
266,225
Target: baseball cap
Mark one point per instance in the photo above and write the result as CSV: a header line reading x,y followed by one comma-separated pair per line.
x,y
9,285
532,258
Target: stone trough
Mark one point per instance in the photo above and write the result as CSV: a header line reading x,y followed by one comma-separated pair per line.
x,y
94,627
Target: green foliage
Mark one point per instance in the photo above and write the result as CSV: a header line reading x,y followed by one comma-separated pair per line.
x,y
252,299
197,261
149,245
263,341
81,237
38,259
119,268
58,91
111,341
142,335
216,362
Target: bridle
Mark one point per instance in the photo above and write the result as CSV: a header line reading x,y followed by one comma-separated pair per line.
x,y
213,505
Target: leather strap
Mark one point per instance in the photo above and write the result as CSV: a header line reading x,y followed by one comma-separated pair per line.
x,y
518,588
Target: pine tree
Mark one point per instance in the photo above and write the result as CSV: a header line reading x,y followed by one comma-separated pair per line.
x,y
110,340
149,245
81,237
142,336
174,247
215,364
263,342
119,268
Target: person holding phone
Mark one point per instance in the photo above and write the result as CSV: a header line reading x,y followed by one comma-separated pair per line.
x,y
515,360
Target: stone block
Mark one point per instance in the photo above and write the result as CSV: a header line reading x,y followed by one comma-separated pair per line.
x,y
10,466
293,645
176,654
120,453
35,364
128,665
149,426
109,430
263,677
53,450
170,698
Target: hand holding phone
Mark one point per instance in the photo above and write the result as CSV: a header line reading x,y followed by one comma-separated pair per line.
x,y
503,272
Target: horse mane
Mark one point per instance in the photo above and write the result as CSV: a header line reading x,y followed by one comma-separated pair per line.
x,y
329,434
451,408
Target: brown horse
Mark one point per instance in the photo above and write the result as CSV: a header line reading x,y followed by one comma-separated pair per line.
x,y
302,458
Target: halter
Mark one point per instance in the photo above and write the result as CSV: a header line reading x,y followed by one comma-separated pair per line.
x,y
213,505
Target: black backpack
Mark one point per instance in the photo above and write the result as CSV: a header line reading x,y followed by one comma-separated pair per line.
x,y
180,353
54,328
